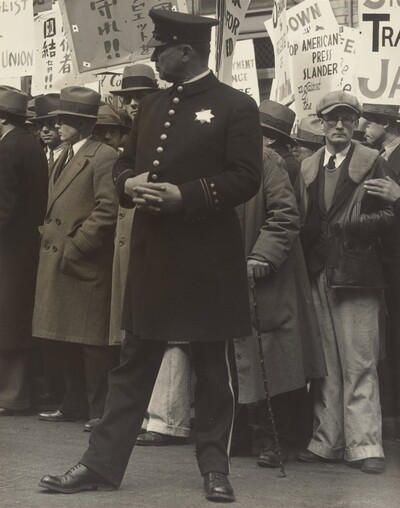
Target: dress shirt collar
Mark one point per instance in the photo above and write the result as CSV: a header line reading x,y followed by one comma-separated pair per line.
x,y
390,148
340,156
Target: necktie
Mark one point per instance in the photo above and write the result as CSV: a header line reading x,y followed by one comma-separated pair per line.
x,y
62,161
331,162
51,159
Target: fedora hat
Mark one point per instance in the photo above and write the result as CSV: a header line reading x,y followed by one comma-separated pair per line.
x,y
179,27
372,112
45,105
78,101
309,132
13,101
278,119
135,78
108,116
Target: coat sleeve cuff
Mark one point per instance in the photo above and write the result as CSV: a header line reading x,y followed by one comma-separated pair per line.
x,y
124,200
200,198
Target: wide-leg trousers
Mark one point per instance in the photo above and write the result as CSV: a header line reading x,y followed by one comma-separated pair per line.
x,y
130,388
347,413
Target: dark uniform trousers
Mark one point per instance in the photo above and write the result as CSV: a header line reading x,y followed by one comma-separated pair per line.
x,y
130,388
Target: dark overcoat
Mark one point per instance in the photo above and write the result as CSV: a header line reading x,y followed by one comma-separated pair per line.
x,y
23,197
187,274
292,346
74,276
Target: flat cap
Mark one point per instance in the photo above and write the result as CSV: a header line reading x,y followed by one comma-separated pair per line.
x,y
338,99
379,111
172,26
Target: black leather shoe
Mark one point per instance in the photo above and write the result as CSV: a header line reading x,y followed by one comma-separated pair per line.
x,y
217,488
312,458
91,424
55,416
77,478
269,457
156,439
373,465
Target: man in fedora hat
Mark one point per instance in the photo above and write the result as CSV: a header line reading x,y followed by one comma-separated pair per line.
x,y
46,122
308,137
138,80
382,128
194,154
276,124
109,127
342,225
74,277
23,197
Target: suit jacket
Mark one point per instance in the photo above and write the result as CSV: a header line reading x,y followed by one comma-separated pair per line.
x,y
23,197
74,276
187,274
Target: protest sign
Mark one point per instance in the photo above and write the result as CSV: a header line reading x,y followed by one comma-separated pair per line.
x,y
231,13
378,63
244,71
106,33
16,38
311,15
347,78
315,68
277,29
54,66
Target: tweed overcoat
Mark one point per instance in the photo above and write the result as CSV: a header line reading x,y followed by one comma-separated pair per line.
x,y
187,275
292,346
23,197
74,277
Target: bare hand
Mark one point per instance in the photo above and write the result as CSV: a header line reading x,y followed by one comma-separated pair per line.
x,y
158,197
132,183
257,270
385,188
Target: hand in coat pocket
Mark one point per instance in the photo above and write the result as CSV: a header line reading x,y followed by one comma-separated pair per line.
x,y
76,264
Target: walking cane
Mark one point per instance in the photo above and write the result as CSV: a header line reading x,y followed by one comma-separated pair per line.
x,y
264,375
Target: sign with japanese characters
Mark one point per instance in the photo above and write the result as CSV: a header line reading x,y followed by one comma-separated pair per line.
x,y
378,62
232,14
42,5
54,66
106,33
16,38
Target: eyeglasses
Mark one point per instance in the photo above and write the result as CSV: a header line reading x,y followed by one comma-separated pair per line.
x,y
332,120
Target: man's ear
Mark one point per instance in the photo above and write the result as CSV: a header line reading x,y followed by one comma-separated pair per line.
x,y
322,125
187,52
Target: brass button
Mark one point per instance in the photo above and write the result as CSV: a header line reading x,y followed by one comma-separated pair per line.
x,y
58,222
156,163
154,177
122,242
167,125
176,100
171,112
46,246
160,149
47,221
121,215
55,248
180,88
163,137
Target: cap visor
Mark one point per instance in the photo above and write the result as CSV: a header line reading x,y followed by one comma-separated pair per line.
x,y
331,108
154,43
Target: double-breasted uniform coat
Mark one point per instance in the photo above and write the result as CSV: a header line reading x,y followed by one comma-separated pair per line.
x,y
23,198
187,279
74,277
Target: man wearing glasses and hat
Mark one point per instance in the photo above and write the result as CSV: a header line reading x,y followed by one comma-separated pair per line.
x,y
73,287
23,197
342,225
193,155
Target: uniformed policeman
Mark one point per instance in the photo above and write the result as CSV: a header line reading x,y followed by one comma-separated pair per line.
x,y
193,155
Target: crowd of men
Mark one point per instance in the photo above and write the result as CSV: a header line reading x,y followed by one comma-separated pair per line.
x,y
136,247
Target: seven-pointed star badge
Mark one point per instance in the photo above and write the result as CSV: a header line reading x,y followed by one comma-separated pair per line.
x,y
204,116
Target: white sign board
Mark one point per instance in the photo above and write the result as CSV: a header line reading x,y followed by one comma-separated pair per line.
x,y
244,71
